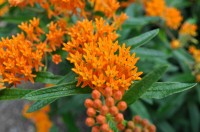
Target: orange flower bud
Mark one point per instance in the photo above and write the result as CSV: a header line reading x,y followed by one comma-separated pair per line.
x,y
104,110
104,127
97,103
145,122
137,129
128,130
108,92
130,124
114,110
95,129
137,119
119,117
152,128
96,94
117,95
122,105
120,126
91,112
110,102
101,119
89,121
88,103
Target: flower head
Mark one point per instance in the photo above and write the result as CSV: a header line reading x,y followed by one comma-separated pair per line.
x,y
56,59
175,44
188,29
154,7
40,118
93,50
172,17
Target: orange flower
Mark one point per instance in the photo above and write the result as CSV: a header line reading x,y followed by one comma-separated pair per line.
x,y
188,29
93,52
4,8
32,30
175,44
196,53
18,57
173,17
108,7
56,59
40,118
119,20
154,7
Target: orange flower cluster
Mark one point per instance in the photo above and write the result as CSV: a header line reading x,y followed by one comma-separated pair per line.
x,y
40,118
154,7
60,7
108,7
171,15
98,60
4,8
18,57
188,29
196,55
32,30
54,38
195,52
137,124
99,113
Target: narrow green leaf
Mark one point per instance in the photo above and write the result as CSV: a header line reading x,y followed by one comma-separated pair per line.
x,y
47,77
57,91
13,94
164,126
139,88
141,39
163,89
194,117
40,104
141,21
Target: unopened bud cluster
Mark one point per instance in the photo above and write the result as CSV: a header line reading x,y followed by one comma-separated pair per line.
x,y
137,124
100,112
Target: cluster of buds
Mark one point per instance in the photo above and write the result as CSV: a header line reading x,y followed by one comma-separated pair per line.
x,y
100,113
137,124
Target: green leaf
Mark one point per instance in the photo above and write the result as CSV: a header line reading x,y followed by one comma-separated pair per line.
x,y
57,91
13,94
165,127
70,122
139,108
163,89
141,21
141,39
40,104
194,117
47,77
139,88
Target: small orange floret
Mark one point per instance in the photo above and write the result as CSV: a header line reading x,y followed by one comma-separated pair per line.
x,y
137,119
89,121
120,126
122,105
56,59
175,44
108,92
